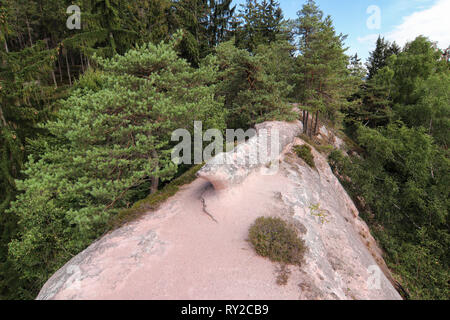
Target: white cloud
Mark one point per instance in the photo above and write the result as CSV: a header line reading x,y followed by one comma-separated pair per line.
x,y
368,39
433,23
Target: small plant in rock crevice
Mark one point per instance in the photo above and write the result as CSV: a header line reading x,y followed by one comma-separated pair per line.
x,y
304,152
316,211
283,274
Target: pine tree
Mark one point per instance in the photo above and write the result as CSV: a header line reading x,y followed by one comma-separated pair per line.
x,y
376,93
322,72
376,96
254,90
112,138
356,67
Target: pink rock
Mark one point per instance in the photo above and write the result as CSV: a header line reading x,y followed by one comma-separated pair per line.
x,y
195,246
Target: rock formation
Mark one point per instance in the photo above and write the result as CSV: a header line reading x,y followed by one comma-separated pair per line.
x,y
195,246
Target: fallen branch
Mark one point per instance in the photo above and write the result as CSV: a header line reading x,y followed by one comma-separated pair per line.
x,y
202,199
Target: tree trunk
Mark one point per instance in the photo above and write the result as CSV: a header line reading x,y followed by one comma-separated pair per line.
x,y
154,180
82,63
53,72
306,122
2,118
317,123
303,119
68,69
60,69
154,186
88,65
21,41
54,79
310,126
6,44
29,31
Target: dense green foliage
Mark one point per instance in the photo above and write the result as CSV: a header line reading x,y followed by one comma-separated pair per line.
x,y
26,97
402,187
259,23
111,138
401,182
273,238
40,60
254,92
433,101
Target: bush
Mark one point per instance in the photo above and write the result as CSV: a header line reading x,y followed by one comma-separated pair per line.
x,y
304,152
273,238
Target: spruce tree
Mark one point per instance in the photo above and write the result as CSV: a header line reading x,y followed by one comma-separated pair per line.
x,y
378,58
191,17
25,92
260,22
219,21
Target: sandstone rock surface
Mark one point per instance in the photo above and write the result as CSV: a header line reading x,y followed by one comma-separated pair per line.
x,y
229,169
195,246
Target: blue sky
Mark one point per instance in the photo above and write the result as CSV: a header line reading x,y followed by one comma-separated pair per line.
x,y
400,20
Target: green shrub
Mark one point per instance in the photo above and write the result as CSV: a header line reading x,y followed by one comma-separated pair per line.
x,y
273,238
304,152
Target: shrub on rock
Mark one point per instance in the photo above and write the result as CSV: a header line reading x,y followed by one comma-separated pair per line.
x,y
304,152
273,238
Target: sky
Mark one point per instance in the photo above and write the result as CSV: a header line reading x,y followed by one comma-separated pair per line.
x,y
397,20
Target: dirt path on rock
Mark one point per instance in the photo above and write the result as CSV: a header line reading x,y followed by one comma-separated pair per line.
x,y
189,255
